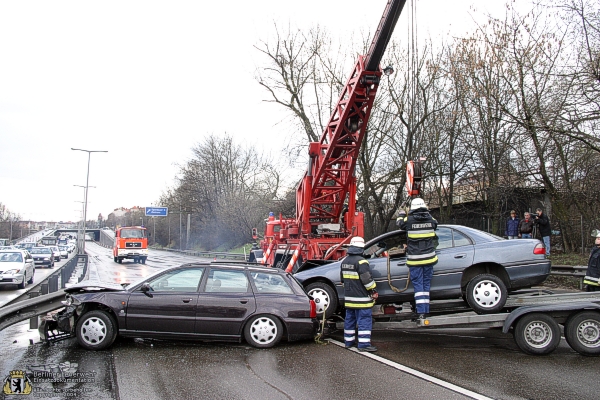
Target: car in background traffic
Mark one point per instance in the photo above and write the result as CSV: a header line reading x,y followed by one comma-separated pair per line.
x,y
199,301
16,268
64,251
56,252
27,245
43,255
477,266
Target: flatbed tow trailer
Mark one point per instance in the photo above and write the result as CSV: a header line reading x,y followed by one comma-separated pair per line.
x,y
533,316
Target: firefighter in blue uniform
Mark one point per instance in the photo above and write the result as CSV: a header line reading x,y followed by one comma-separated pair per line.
x,y
420,229
359,296
592,274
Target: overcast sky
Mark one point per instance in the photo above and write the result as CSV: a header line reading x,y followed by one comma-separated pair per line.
x,y
146,81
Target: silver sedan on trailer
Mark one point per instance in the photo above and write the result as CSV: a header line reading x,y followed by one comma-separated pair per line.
x,y
477,266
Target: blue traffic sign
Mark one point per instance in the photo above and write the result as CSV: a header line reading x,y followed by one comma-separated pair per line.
x,y
157,211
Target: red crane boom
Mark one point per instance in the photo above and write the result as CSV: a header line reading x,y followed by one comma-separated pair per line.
x,y
326,215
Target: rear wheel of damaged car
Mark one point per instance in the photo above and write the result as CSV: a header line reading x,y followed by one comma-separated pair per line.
x,y
263,331
486,294
96,330
325,298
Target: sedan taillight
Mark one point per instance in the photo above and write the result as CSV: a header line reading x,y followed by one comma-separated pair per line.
x,y
313,309
539,249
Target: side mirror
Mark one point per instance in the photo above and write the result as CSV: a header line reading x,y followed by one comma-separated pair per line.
x,y
146,289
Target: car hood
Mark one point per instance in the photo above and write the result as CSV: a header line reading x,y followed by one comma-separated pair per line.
x,y
5,266
94,286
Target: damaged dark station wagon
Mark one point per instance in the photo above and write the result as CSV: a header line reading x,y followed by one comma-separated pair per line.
x,y
191,302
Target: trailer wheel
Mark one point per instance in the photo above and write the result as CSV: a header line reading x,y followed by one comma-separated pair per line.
x,y
486,294
582,332
143,260
537,334
115,259
120,260
325,298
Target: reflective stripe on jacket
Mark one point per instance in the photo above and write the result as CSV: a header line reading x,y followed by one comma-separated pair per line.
x,y
420,229
356,276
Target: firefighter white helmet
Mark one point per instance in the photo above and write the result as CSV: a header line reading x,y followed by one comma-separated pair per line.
x,y
417,203
596,233
357,241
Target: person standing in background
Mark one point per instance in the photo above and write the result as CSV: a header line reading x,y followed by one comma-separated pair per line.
x,y
512,225
543,223
526,227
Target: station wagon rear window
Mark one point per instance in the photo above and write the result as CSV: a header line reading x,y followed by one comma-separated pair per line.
x,y
270,283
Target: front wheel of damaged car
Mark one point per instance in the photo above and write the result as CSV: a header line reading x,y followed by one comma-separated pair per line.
x,y
96,330
263,331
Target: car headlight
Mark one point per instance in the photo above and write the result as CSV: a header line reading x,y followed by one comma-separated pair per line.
x,y
12,271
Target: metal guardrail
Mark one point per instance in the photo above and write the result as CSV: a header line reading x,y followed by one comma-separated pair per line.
x,y
574,271
210,254
107,241
42,297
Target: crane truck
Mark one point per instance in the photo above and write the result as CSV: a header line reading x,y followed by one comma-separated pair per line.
x,y
327,217
326,213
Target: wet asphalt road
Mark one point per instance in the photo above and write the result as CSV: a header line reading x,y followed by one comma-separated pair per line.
x,y
483,361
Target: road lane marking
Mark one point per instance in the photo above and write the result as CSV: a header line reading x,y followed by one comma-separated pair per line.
x,y
416,373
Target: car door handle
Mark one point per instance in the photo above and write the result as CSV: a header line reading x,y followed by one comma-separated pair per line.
x,y
401,263
462,255
243,301
186,300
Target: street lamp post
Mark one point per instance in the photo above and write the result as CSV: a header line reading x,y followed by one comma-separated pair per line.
x,y
87,182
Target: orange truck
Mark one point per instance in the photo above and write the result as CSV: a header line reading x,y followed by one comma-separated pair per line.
x,y
131,242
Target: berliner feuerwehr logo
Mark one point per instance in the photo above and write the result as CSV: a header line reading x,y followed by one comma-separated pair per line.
x,y
17,382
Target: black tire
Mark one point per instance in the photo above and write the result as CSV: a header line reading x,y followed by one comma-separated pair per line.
x,y
582,332
144,260
486,294
325,297
96,330
263,331
120,260
30,281
115,259
537,334
22,284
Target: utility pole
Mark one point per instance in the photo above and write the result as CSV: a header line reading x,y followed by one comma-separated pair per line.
x,y
180,228
187,237
87,182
